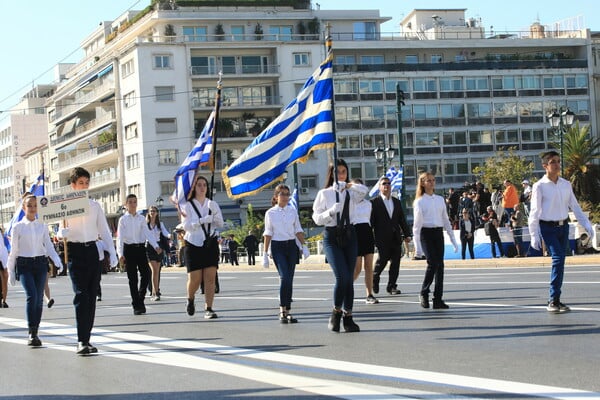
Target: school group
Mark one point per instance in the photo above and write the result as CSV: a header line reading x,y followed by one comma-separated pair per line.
x,y
353,226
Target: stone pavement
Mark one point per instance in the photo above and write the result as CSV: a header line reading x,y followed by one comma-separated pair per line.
x,y
317,262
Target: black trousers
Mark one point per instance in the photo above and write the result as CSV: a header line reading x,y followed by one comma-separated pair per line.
x,y
432,243
84,269
392,254
251,257
136,260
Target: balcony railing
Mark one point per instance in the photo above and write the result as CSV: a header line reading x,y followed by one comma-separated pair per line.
x,y
258,69
85,156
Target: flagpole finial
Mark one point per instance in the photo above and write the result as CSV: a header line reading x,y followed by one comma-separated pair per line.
x,y
220,81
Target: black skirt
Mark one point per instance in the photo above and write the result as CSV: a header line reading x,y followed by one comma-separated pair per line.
x,y
200,257
364,239
152,254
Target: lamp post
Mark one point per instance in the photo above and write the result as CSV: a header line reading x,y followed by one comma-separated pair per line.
x,y
159,203
560,122
383,155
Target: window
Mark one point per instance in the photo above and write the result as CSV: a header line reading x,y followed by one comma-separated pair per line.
x,y
345,86
554,82
309,181
451,84
133,161
345,60
302,59
371,60
424,85
411,59
425,111
129,99
167,157
195,33
204,65
283,32
371,86
452,111
436,58
166,125
131,131
365,31
452,138
390,85
164,93
479,110
135,189
127,69
237,31
530,82
162,62
167,187
477,83
252,64
427,138
228,64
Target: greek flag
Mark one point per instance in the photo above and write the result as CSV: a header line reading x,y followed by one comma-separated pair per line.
x,y
395,177
294,199
199,156
305,125
37,189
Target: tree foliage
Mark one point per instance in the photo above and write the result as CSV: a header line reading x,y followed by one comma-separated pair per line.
x,y
504,165
254,223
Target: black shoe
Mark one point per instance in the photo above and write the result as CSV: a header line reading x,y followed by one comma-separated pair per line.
x,y
93,349
50,303
394,291
99,298
191,309
34,340
83,349
424,300
440,305
4,305
350,325
137,311
375,284
334,320
209,314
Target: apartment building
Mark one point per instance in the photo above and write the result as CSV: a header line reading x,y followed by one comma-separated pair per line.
x,y
132,108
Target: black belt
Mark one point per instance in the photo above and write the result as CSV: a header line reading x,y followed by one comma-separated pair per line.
x,y
36,258
554,223
436,228
135,244
82,244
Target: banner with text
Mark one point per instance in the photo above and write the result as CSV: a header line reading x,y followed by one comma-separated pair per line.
x,y
63,206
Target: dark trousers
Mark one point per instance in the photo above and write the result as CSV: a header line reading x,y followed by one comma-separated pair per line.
x,y
251,257
467,242
392,254
233,257
32,274
285,257
84,269
495,240
432,243
136,260
342,261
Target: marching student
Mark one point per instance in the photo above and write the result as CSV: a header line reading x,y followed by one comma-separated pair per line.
x,y
3,271
28,262
132,234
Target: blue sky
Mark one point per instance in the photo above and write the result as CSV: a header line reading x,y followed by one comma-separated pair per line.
x,y
39,34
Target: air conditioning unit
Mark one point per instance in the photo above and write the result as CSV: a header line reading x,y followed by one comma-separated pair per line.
x,y
304,190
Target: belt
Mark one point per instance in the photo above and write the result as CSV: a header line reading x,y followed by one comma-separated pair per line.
x,y
135,244
82,244
554,223
434,228
36,258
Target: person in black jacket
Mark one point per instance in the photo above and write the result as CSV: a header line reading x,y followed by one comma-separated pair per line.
x,y
390,229
233,246
251,245
467,234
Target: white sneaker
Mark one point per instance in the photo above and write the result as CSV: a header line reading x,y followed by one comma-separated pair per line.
x,y
371,300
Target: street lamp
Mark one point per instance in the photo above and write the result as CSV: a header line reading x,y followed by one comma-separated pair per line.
x,y
383,155
159,203
560,122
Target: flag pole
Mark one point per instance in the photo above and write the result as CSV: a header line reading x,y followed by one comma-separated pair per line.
x,y
329,48
213,151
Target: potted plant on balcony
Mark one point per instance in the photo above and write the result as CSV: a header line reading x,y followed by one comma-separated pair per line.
x,y
170,33
314,28
219,32
258,31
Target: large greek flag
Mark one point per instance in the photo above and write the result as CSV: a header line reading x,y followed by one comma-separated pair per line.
x,y
199,156
37,189
303,126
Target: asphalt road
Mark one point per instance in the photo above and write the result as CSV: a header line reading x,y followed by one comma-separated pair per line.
x,y
496,342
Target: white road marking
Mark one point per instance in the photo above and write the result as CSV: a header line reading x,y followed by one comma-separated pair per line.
x,y
146,348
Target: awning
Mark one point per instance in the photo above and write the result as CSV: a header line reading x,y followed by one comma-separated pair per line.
x,y
91,78
105,71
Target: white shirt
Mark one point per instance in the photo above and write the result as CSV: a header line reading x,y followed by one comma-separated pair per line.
x,y
362,213
551,202
133,229
430,212
389,204
326,198
87,228
3,254
31,239
282,223
191,221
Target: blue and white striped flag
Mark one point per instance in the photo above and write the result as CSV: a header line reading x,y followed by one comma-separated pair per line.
x,y
306,124
37,189
199,156
396,179
294,199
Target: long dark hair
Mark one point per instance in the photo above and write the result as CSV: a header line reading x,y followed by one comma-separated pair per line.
x,y
157,219
330,173
193,191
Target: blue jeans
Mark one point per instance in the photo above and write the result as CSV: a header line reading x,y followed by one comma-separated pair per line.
x,y
557,241
285,257
32,275
342,262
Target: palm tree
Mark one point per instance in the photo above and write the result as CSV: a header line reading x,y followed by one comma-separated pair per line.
x,y
579,152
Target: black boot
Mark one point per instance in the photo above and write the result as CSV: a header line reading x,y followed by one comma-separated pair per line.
x,y
334,320
350,325
34,340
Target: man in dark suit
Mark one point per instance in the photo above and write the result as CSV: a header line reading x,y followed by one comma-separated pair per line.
x,y
390,230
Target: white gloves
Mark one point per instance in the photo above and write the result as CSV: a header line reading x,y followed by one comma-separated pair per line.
x,y
63,233
11,277
339,186
337,208
114,261
265,260
59,268
305,252
206,220
536,243
455,247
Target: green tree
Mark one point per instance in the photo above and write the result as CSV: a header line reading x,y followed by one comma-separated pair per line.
x,y
504,165
580,151
254,223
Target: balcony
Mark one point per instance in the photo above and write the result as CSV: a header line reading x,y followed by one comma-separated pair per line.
x,y
100,155
248,70
87,127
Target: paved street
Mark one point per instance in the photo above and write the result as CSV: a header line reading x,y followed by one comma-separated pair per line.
x,y
496,342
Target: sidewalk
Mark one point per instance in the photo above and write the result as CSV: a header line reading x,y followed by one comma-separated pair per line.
x,y
317,262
